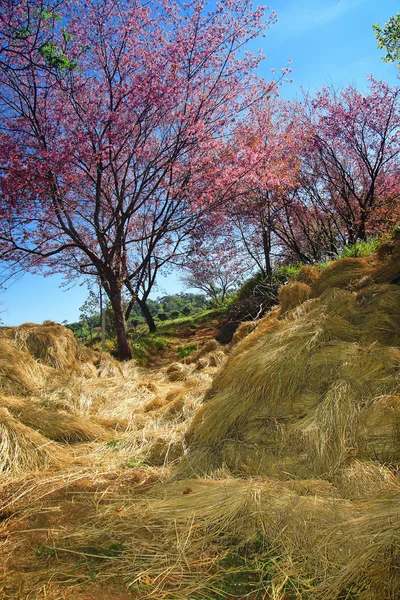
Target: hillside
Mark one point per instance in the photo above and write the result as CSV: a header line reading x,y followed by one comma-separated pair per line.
x,y
266,469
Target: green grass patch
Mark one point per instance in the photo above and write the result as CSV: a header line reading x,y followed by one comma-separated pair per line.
x,y
191,320
114,444
186,350
361,249
134,462
146,344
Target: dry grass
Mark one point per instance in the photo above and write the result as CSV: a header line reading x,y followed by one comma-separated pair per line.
x,y
305,409
19,372
292,295
307,274
268,536
59,426
23,449
243,331
314,378
49,343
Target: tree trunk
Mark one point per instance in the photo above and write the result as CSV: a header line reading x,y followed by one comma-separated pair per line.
x,y
147,315
266,235
124,350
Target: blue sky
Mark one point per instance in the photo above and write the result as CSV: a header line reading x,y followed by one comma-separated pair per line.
x,y
329,42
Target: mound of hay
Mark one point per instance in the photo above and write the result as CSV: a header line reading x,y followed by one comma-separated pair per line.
x,y
176,372
19,372
387,268
23,449
292,295
212,359
304,396
209,346
307,274
362,480
49,343
347,273
55,425
243,330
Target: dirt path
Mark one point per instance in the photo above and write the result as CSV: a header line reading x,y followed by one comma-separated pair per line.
x,y
183,337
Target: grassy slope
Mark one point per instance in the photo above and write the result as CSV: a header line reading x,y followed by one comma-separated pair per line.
x,y
83,531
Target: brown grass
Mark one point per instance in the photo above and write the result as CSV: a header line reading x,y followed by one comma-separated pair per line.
x,y
23,449
19,372
292,295
317,375
49,343
308,274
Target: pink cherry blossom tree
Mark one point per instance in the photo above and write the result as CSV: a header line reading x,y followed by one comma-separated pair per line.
x,y
351,167
112,111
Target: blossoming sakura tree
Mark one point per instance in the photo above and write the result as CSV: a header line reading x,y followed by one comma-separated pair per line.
x,y
112,112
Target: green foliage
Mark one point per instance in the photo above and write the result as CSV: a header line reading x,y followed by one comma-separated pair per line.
x,y
56,58
169,327
44,551
388,38
67,36
114,444
186,350
361,248
133,463
247,288
47,13
147,344
22,33
287,271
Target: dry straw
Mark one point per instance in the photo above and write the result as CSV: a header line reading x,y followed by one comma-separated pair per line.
x,y
314,377
23,449
49,343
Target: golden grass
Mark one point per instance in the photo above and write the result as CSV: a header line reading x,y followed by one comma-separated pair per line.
x,y
347,273
49,343
23,449
209,346
292,295
273,535
313,374
243,330
19,372
307,274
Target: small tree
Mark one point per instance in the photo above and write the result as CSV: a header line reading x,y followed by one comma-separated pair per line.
x,y
217,266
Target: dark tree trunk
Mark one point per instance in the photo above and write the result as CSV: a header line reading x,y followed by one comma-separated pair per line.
x,y
147,315
124,350
267,251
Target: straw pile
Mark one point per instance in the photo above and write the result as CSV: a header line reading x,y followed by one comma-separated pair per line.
x,y
23,449
304,411
293,294
302,396
19,372
231,537
49,343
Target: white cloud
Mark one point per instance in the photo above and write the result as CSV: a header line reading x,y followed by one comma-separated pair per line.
x,y
302,16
